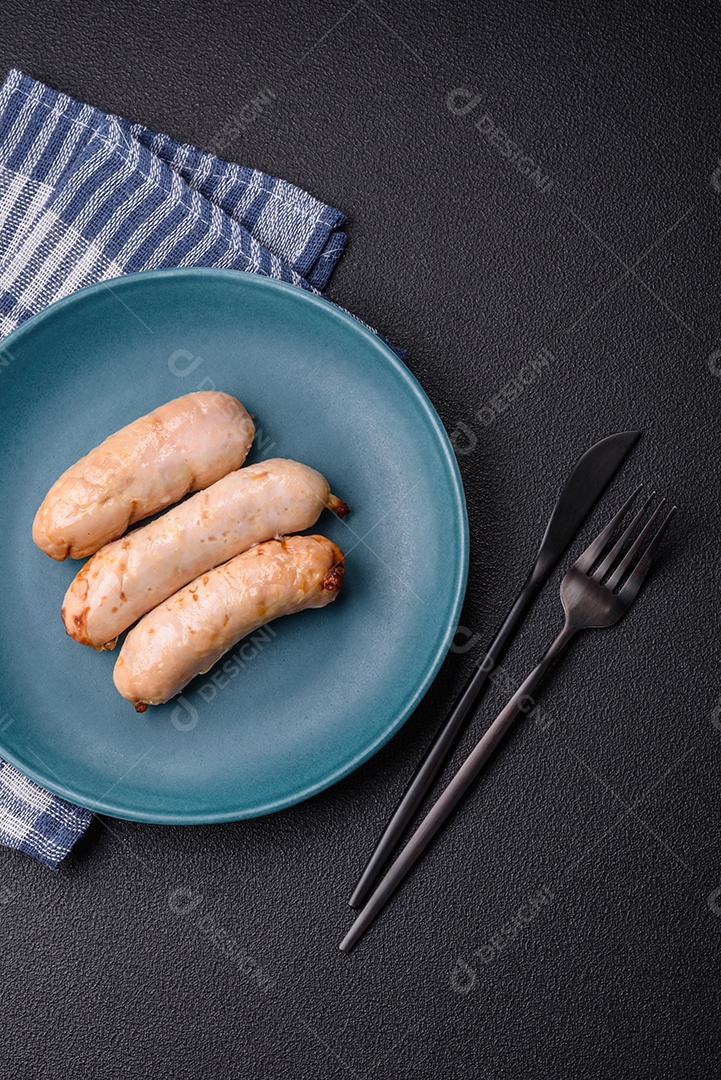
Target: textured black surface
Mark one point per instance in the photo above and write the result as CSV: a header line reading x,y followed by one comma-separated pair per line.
x,y
607,809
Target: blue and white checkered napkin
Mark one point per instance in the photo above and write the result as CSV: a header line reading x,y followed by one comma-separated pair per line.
x,y
86,196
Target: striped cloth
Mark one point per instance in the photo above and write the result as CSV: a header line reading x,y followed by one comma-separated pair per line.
x,y
86,196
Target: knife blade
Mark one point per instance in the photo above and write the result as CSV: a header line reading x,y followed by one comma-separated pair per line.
x,y
584,487
581,492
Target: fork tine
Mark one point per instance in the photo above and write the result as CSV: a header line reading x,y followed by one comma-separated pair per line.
x,y
659,533
630,558
611,559
596,548
635,580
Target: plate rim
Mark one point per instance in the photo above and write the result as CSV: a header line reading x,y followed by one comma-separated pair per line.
x,y
103,806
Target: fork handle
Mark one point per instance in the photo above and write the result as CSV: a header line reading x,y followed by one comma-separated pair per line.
x,y
440,748
456,789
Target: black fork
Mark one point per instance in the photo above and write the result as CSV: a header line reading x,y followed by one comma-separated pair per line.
x,y
597,591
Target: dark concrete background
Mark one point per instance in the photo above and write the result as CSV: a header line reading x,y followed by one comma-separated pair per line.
x,y
600,822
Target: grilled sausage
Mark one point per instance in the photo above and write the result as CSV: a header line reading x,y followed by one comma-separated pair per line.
x,y
183,446
132,575
187,634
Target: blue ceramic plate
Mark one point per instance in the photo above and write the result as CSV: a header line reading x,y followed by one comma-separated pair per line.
x,y
305,703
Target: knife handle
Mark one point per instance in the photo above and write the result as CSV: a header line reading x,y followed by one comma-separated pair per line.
x,y
442,744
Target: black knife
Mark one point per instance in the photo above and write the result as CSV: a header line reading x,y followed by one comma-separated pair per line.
x,y
580,494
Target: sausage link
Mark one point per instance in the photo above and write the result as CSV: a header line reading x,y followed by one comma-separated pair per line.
x,y
132,575
185,445
187,634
